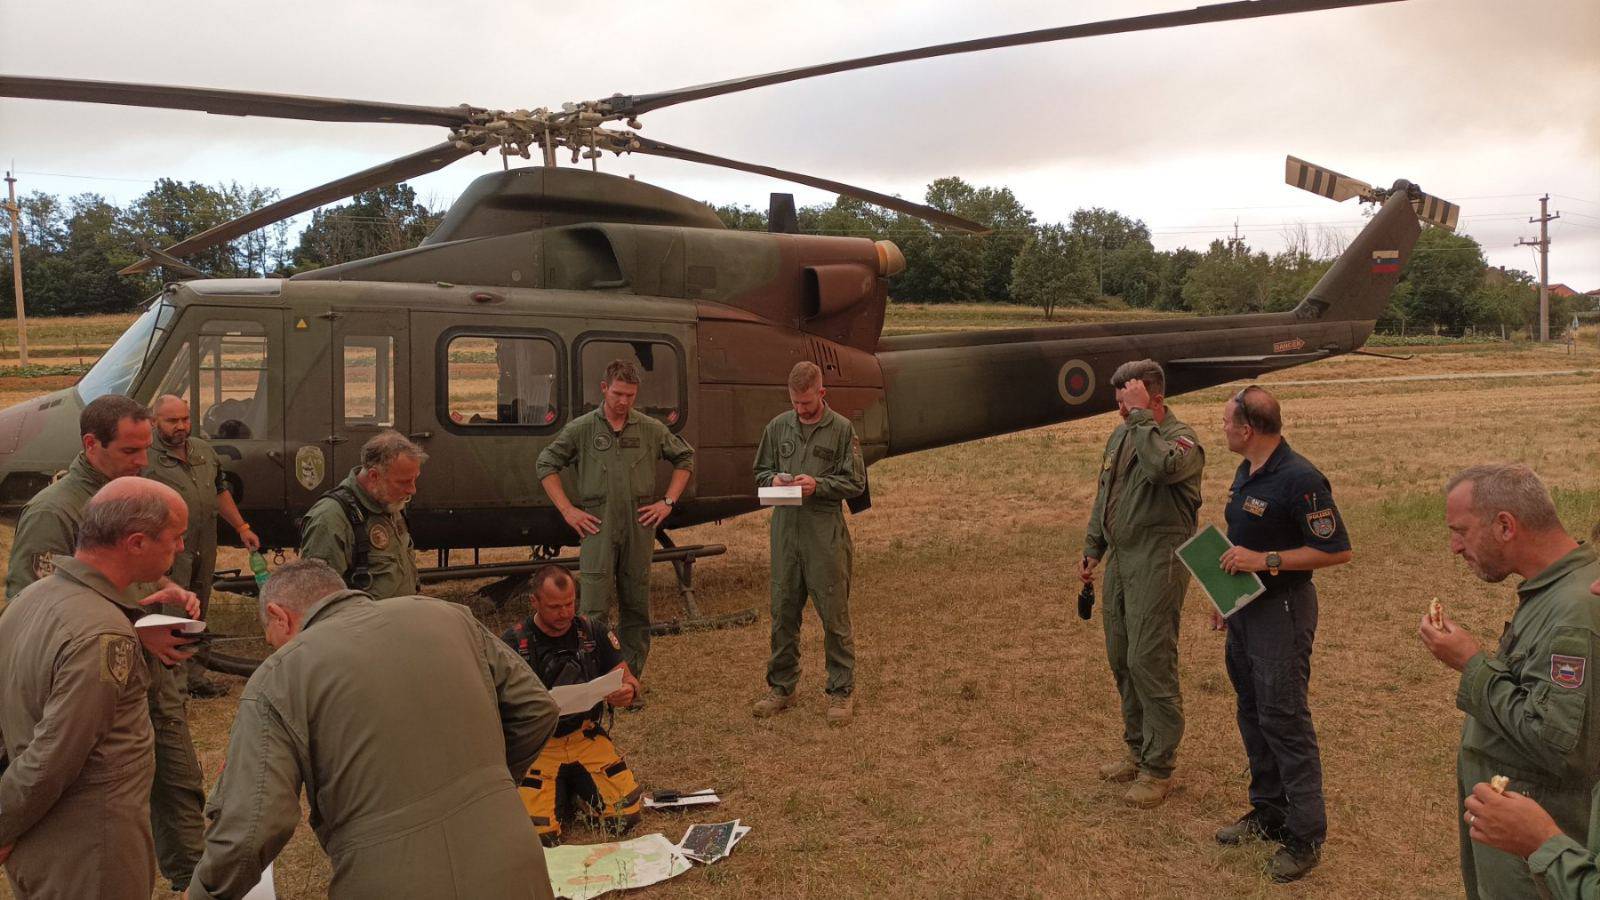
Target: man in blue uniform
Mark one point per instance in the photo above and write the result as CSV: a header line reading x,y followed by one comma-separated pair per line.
x,y
1283,524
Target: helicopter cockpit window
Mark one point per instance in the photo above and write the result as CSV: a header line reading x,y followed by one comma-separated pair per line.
x,y
660,387
222,373
116,370
501,380
369,380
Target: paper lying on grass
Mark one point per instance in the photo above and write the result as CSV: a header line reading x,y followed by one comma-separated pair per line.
x,y
581,871
576,698
176,623
709,843
698,798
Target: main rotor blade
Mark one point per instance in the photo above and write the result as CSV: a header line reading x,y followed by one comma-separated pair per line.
x,y
230,103
938,216
1219,12
420,163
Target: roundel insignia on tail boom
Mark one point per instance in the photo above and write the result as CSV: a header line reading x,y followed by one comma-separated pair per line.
x,y
1075,381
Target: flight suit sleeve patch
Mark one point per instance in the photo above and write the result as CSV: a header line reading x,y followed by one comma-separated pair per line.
x,y
1322,523
1567,671
43,565
116,659
1184,445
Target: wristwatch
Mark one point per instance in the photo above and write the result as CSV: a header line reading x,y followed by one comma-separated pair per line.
x,y
668,501
1274,562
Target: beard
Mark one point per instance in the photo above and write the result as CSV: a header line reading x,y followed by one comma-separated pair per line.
x,y
174,439
1490,566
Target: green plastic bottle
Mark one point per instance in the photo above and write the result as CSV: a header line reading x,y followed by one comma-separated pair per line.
x,y
258,565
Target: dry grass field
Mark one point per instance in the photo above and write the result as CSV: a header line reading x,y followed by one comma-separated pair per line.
x,y
984,704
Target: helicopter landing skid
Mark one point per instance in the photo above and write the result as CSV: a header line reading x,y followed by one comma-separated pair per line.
x,y
682,559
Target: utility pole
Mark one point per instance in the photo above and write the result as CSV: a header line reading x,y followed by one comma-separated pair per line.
x,y
1543,243
16,267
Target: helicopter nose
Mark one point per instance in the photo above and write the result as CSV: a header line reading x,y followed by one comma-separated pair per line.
x,y
38,438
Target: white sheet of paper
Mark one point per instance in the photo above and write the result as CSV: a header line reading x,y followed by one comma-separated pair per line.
x,y
575,698
179,623
264,889
698,798
780,495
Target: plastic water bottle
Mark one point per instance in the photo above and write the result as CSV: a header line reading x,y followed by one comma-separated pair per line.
x,y
258,565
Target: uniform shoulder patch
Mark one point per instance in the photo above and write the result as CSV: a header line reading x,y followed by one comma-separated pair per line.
x,y
1322,523
43,565
1567,671
116,658
1184,443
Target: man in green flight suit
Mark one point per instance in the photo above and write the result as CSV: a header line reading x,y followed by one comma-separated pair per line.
x,y
189,466
615,449
116,436
359,528
813,448
1147,504
1533,712
408,724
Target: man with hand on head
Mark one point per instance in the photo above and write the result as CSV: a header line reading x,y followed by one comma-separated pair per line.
x,y
75,818
407,723
189,466
579,762
1146,506
1533,712
359,528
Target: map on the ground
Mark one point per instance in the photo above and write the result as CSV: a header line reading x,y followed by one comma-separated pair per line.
x,y
709,843
581,871
1202,554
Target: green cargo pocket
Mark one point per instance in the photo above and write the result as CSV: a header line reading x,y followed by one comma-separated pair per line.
x,y
1561,713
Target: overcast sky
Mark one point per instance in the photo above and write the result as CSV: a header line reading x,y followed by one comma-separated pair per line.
x,y
1489,103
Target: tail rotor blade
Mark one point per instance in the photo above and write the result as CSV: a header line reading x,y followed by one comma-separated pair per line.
x,y
1326,182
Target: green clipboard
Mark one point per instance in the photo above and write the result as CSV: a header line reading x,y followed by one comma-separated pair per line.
x,y
1202,554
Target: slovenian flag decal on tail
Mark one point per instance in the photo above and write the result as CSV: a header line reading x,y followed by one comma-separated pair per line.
x,y
1385,262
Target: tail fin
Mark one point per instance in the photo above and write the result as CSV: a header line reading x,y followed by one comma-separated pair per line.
x,y
1358,286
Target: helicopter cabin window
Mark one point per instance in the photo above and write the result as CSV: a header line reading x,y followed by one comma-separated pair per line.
x,y
368,384
495,381
222,374
660,375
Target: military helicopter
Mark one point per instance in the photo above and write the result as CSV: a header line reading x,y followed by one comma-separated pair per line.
x,y
484,340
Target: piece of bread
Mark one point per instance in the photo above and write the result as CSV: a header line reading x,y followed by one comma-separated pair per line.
x,y
1436,613
1498,784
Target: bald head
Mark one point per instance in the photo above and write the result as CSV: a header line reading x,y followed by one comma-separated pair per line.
x,y
171,414
132,529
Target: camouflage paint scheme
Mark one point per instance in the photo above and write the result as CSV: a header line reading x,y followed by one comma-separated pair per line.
x,y
571,256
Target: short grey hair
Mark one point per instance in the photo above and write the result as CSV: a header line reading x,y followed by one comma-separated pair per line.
x,y
299,584
106,522
387,446
1510,488
1147,371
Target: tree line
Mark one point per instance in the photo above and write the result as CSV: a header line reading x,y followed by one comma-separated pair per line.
x,y
73,246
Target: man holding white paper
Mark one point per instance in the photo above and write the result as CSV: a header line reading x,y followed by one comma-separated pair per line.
x,y
567,650
815,449
1146,505
75,798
